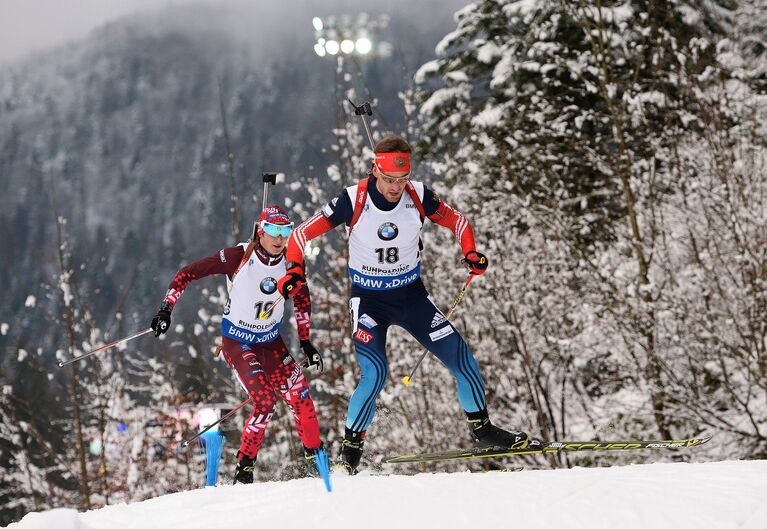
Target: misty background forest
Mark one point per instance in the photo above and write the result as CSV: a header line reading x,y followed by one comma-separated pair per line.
x,y
609,154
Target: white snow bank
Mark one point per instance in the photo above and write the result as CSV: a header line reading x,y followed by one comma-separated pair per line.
x,y
673,495
56,518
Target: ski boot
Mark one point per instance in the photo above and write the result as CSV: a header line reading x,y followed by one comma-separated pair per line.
x,y
351,452
310,458
244,471
487,435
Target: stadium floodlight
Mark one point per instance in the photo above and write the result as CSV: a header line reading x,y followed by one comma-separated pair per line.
x,y
350,36
347,46
363,45
332,47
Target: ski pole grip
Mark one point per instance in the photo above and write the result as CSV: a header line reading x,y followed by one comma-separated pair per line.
x,y
270,178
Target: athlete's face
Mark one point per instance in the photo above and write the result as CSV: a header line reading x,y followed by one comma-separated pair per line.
x,y
391,185
272,245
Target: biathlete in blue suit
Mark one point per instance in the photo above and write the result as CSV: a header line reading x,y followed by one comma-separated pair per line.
x,y
384,216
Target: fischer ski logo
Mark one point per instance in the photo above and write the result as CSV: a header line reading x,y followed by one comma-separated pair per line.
x,y
548,447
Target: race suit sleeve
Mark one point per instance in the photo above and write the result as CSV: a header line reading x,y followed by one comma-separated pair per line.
x,y
440,213
337,211
225,261
302,308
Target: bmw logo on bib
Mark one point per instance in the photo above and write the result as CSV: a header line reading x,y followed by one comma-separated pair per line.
x,y
387,231
268,285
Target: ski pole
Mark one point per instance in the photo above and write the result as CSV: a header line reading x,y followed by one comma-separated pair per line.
x,y
222,419
266,178
107,346
363,111
407,379
266,313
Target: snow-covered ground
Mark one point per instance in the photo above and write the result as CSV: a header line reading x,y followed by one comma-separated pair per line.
x,y
676,496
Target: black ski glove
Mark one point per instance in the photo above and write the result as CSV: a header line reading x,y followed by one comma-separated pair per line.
x,y
313,356
161,322
291,282
477,262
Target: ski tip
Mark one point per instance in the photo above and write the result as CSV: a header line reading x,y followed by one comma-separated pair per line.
x,y
406,380
61,364
263,316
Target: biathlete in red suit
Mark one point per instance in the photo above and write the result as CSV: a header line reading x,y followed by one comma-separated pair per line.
x,y
384,216
252,347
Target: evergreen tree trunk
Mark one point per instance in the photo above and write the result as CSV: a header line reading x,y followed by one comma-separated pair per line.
x,y
64,275
229,166
623,167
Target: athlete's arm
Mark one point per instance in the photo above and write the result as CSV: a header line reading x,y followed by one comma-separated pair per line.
x,y
440,213
302,308
336,212
225,261
308,230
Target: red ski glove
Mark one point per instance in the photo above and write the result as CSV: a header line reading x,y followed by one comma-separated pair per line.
x,y
292,281
476,262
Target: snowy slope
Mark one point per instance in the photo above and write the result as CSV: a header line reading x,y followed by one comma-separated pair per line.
x,y
673,495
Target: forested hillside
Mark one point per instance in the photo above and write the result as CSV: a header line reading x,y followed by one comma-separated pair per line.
x,y
610,155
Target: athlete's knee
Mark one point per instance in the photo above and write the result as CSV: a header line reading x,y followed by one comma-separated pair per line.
x,y
263,401
300,401
258,421
374,378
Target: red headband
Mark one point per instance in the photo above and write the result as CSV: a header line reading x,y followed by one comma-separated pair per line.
x,y
390,162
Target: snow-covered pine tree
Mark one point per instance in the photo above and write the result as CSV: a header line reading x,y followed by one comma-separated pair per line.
x,y
36,475
562,119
